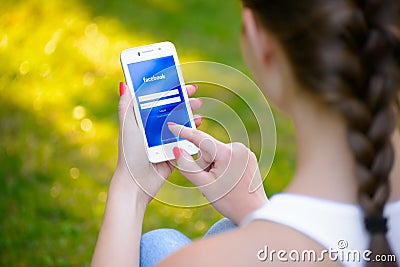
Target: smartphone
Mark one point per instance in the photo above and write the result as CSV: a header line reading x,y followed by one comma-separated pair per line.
x,y
153,75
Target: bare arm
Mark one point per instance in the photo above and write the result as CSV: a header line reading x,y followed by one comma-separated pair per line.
x,y
119,238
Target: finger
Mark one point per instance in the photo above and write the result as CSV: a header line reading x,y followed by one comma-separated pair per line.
x,y
193,135
195,103
123,100
207,144
125,107
189,168
191,89
130,135
205,160
198,118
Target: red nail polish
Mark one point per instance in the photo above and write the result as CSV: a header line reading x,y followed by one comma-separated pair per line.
x,y
177,152
122,88
170,123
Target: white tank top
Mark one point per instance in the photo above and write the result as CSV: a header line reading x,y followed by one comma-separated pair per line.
x,y
336,226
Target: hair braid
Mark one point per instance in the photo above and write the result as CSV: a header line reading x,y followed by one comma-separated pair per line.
x,y
372,146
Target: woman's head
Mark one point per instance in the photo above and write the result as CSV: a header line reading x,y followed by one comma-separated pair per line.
x,y
346,54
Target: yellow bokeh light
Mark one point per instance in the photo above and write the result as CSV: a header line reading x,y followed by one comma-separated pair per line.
x,y
74,172
178,220
46,70
187,214
55,190
51,45
79,112
200,225
4,41
86,125
24,68
88,79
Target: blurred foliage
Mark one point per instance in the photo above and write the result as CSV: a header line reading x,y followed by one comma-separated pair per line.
x,y
59,74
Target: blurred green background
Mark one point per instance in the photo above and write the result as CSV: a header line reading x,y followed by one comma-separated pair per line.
x,y
59,74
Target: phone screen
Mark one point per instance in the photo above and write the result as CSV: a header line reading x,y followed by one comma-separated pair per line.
x,y
160,98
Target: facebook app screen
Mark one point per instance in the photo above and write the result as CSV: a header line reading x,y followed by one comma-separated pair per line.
x,y
160,98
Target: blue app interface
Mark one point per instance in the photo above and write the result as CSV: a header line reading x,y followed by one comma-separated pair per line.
x,y
160,98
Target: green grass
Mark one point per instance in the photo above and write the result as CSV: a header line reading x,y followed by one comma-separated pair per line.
x,y
59,74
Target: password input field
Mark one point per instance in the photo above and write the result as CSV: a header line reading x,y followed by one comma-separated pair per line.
x,y
158,95
161,102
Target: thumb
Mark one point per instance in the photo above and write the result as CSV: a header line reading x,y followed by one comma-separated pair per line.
x,y
190,169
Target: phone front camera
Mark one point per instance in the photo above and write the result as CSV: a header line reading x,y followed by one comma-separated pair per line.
x,y
138,53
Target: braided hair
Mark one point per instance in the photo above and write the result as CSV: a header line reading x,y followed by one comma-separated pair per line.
x,y
347,53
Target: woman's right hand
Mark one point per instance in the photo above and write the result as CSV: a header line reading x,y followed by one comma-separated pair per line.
x,y
227,174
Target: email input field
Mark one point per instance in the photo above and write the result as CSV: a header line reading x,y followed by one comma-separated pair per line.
x,y
158,95
161,102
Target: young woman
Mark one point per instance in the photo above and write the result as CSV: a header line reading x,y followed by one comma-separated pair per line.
x,y
333,67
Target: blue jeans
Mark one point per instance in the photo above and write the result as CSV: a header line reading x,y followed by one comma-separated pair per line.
x,y
158,244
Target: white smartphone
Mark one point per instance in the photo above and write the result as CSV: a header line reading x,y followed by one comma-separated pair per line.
x,y
153,75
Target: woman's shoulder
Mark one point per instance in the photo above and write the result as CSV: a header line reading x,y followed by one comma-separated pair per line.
x,y
259,243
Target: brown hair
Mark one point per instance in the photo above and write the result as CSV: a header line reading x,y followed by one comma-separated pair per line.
x,y
347,52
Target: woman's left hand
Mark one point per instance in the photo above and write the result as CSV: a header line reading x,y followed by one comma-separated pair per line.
x,y
134,171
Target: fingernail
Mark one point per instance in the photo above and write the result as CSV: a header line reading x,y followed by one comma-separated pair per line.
x,y
170,123
122,88
177,152
201,101
195,86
